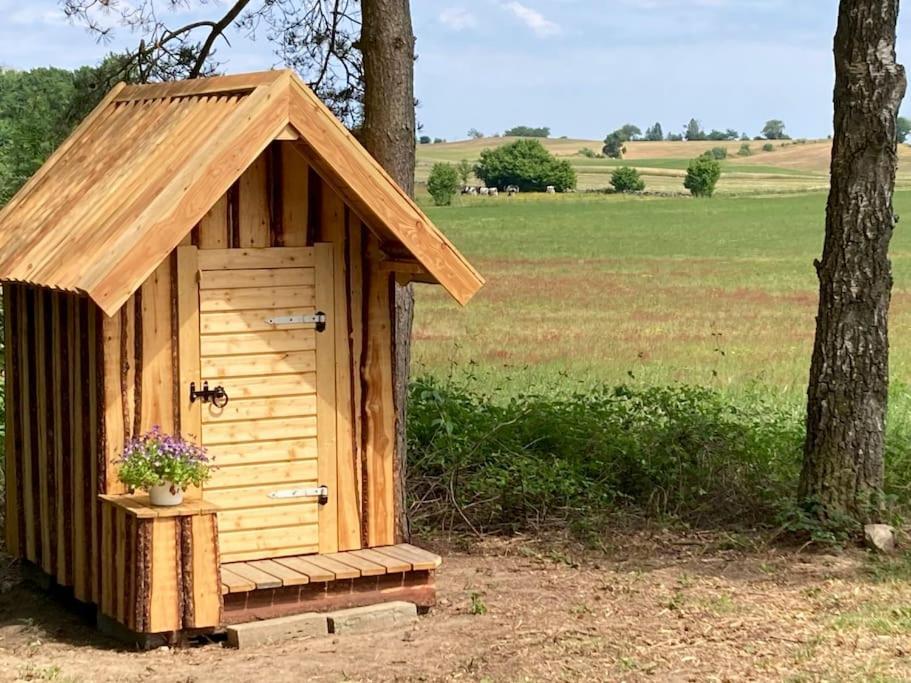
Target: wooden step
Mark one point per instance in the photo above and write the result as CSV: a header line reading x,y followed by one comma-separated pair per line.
x,y
297,570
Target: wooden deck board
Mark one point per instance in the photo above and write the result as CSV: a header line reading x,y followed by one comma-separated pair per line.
x,y
295,570
260,578
288,576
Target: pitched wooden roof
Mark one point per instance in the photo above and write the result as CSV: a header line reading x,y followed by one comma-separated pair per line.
x,y
120,193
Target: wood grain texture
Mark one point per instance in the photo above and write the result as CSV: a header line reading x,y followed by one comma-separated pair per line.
x,y
335,231
188,342
295,191
254,204
326,399
12,445
379,411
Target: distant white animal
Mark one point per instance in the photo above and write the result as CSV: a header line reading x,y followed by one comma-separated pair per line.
x,y
551,189
484,191
512,189
493,192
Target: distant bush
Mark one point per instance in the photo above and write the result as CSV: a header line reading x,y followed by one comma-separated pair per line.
x,y
627,179
438,141
674,137
744,150
424,140
719,153
443,183
517,464
589,153
768,147
702,176
526,164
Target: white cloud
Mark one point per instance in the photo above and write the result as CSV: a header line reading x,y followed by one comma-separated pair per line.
x,y
457,18
533,19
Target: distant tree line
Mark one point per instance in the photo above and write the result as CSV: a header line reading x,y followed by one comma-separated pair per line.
x,y
614,143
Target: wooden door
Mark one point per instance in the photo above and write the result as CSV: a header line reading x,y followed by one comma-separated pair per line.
x,y
273,443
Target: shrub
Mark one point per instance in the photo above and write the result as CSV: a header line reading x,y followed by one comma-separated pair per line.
x,y
701,177
716,153
424,140
744,150
443,183
526,164
589,153
768,147
627,179
515,464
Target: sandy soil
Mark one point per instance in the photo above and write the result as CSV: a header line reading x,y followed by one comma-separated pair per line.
x,y
657,606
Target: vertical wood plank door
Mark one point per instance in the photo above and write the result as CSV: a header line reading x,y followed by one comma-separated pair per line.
x,y
274,440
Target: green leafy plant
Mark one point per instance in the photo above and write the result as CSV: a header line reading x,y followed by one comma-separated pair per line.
x,y
478,606
702,176
768,147
155,458
443,183
744,150
627,179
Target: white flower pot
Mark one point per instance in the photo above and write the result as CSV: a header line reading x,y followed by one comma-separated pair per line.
x,y
162,495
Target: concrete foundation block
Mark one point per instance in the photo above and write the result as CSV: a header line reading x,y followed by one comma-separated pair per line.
x,y
372,618
258,633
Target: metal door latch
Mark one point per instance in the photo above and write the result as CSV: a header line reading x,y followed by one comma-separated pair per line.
x,y
318,319
217,396
320,492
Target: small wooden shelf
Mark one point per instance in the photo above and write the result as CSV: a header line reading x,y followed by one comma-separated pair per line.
x,y
159,565
138,505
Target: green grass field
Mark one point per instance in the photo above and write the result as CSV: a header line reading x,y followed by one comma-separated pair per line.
x,y
597,288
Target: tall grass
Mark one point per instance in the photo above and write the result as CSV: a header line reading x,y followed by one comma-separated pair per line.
x,y
698,455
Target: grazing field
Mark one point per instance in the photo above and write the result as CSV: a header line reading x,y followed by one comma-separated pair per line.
x,y
793,166
599,288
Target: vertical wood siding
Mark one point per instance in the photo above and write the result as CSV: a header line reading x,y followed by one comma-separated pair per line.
x,y
55,434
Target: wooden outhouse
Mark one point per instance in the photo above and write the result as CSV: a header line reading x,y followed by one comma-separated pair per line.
x,y
224,232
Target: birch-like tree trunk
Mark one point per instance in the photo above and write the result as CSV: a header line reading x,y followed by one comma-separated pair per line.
x,y
849,375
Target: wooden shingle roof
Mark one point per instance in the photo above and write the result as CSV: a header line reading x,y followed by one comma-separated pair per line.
x,y
122,191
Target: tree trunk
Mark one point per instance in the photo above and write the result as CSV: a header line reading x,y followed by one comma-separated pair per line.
x,y
849,375
387,45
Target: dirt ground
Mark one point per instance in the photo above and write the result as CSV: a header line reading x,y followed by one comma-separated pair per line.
x,y
662,605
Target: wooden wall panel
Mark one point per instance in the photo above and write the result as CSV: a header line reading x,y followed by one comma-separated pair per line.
x,y
295,192
334,230
254,204
12,447
53,423
379,411
213,228
326,403
26,396
157,367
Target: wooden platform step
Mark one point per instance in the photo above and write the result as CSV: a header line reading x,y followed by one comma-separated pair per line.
x,y
297,570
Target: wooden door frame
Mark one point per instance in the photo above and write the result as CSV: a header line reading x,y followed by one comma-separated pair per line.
x,y
188,362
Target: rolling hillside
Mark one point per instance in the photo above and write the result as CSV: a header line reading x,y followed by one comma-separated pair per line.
x,y
790,167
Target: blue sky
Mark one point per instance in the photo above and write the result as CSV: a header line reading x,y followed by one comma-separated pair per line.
x,y
582,67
